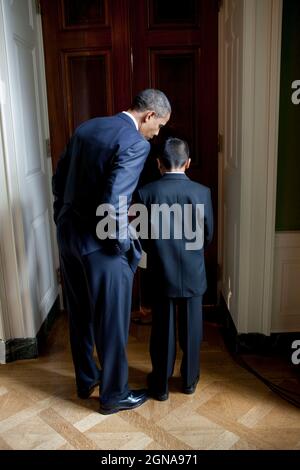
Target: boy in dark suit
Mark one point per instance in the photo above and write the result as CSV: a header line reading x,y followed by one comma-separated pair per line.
x,y
175,262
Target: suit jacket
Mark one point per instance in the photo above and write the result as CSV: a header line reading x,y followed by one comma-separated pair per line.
x,y
174,270
103,160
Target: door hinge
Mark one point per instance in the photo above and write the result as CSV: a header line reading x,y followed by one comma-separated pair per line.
x,y
220,143
48,148
38,7
58,276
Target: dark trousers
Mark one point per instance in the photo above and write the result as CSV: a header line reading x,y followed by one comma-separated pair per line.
x,y
98,291
163,340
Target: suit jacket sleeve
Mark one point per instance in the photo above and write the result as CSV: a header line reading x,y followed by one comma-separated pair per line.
x,y
122,181
59,181
140,199
208,220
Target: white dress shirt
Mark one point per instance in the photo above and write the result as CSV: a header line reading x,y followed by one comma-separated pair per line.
x,y
133,118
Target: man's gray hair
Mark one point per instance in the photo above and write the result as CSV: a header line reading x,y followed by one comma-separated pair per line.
x,y
152,100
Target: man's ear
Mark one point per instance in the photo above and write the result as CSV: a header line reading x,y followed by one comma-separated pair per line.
x,y
148,115
187,165
160,166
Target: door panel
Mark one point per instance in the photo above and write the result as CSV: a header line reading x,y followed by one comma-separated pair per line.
x,y
173,70
173,13
178,51
232,152
88,62
175,48
88,85
87,14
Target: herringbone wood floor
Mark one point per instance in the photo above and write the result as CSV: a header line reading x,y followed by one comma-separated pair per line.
x,y
231,409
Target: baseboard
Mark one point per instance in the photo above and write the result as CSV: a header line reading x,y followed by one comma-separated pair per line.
x,y
28,348
20,348
254,343
2,351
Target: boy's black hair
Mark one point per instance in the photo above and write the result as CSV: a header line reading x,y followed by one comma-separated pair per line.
x,y
175,154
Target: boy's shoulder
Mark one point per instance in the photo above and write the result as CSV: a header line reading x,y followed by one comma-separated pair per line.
x,y
151,187
198,185
159,183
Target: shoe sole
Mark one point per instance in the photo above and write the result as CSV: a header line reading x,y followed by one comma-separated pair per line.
x,y
110,411
163,397
188,392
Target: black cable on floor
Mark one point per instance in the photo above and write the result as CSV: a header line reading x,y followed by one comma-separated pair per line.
x,y
284,393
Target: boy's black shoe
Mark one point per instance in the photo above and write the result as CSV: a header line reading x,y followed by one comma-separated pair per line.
x,y
157,395
189,389
154,392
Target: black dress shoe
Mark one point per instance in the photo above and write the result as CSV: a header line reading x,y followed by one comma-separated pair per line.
x,y
157,395
154,392
87,392
189,389
134,399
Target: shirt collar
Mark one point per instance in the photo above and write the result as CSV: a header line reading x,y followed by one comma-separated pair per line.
x,y
133,118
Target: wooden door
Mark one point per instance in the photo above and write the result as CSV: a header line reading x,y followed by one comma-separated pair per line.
x,y
175,49
87,53
99,53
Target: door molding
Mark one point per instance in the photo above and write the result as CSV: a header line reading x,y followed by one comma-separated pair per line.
x,y
17,314
275,12
262,53
11,304
259,132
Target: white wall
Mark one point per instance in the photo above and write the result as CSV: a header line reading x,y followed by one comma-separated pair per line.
x,y
286,299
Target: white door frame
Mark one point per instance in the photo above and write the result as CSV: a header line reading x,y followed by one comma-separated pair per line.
x,y
17,316
12,309
262,22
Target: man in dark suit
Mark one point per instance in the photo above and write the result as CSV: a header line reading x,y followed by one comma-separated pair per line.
x,y
103,161
181,220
